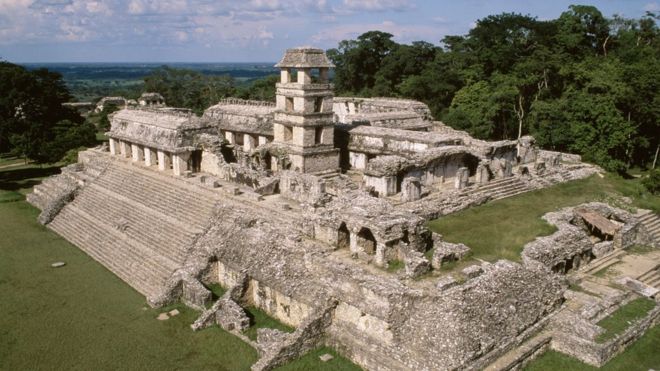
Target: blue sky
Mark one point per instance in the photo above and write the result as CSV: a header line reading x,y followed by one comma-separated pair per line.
x,y
242,31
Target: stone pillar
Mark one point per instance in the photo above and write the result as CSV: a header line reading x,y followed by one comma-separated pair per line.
x,y
124,149
113,146
411,189
137,152
150,156
230,137
358,160
163,161
262,140
508,168
504,168
180,163
462,178
482,176
249,143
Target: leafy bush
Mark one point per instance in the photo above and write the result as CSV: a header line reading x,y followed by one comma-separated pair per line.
x,y
652,181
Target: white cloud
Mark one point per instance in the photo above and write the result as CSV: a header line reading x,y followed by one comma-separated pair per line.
x,y
652,7
378,5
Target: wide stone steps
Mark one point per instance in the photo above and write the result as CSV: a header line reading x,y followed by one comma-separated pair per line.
x,y
651,221
129,260
160,196
604,262
502,188
168,237
651,277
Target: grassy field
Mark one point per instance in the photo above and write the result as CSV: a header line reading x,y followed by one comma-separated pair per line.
x,y
643,355
82,317
621,319
501,228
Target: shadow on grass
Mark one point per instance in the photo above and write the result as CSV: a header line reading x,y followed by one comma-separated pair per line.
x,y
28,177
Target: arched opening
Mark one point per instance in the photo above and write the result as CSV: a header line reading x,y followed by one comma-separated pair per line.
x,y
343,237
366,241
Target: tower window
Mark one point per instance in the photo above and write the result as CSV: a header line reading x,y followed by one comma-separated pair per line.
x,y
318,104
288,133
318,135
289,104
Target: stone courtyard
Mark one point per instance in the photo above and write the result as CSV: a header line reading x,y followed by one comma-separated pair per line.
x,y
299,207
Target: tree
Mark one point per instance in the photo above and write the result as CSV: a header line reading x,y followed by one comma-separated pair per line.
x,y
30,108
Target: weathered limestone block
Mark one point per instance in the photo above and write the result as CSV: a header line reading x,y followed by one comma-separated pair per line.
x,y
411,189
57,203
194,294
306,337
270,338
230,316
539,167
416,264
462,178
527,151
472,271
603,248
446,252
445,283
502,168
483,173
639,287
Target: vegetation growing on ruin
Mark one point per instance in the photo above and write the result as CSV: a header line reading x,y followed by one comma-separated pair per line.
x,y
259,319
501,228
642,355
581,83
622,318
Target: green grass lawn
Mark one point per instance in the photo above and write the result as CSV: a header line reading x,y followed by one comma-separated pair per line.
x,y
310,361
643,355
623,317
81,316
501,228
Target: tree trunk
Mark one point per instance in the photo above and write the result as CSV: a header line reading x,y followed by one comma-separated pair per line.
x,y
605,45
520,112
655,159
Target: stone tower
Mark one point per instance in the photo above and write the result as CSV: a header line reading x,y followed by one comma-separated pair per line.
x,y
304,118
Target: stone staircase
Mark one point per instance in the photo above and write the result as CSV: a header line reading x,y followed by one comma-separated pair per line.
x,y
42,194
651,221
603,262
651,277
501,188
137,223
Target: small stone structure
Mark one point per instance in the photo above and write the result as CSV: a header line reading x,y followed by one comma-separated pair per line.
x,y
298,206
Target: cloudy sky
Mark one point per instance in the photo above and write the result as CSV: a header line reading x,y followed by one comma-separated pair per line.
x,y
241,30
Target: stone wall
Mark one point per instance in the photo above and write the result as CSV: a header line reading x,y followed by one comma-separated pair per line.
x,y
303,188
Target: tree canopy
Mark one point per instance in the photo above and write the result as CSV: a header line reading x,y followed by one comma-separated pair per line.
x,y
33,122
581,83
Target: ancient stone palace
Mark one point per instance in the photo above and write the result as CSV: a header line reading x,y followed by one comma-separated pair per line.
x,y
298,207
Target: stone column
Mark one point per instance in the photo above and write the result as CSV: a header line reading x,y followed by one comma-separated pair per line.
x,y
411,189
180,163
137,152
150,156
248,142
124,148
113,146
262,140
163,161
482,176
230,137
462,178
